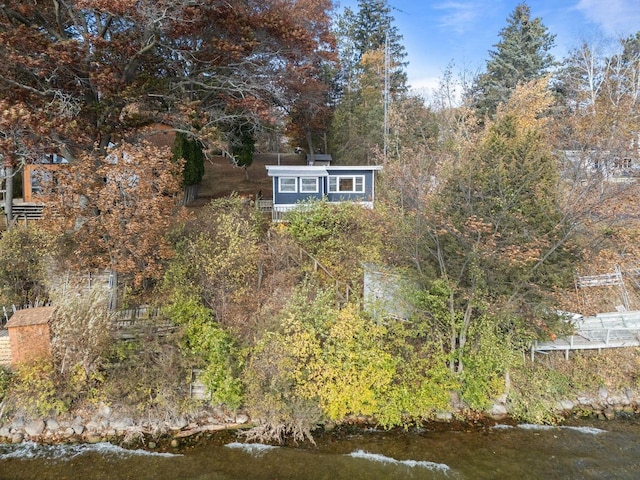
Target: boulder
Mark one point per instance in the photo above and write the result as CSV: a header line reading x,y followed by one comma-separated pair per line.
x,y
329,426
603,393
597,406
104,410
565,405
498,412
242,418
444,416
92,438
92,426
52,425
615,400
219,412
17,424
121,424
35,428
179,423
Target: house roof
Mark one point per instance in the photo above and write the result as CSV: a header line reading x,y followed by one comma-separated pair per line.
x,y
314,170
31,316
296,170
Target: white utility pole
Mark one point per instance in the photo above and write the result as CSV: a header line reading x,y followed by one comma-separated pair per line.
x,y
387,68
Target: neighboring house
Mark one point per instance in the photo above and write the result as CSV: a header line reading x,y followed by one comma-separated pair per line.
x,y
295,184
36,175
612,168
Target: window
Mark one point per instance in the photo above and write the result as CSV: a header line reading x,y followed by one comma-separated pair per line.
x,y
287,185
622,163
309,185
346,184
39,180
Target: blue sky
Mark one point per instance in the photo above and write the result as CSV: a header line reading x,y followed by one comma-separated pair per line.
x,y
438,32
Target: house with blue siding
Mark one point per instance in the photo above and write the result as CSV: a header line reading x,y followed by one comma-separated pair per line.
x,y
293,184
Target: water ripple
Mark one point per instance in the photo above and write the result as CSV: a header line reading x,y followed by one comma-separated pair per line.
x,y
587,430
253,448
409,463
32,450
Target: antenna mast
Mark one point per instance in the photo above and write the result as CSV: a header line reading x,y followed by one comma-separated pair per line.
x,y
387,68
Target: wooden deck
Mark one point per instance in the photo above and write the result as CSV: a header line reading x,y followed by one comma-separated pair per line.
x,y
22,212
605,330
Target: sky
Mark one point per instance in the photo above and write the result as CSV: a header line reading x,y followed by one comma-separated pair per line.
x,y
438,33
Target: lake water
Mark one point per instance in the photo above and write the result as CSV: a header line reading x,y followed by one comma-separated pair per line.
x,y
593,450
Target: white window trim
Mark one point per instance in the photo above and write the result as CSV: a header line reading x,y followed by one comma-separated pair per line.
x,y
353,179
315,188
295,185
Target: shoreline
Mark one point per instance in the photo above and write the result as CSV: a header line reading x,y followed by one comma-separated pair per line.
x,y
106,425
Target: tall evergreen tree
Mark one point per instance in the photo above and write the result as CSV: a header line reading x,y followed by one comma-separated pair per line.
x,y
491,230
368,30
190,150
521,56
243,145
358,125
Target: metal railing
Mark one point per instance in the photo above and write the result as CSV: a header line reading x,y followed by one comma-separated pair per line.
x,y
605,330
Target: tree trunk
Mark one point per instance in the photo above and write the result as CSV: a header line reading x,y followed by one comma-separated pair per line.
x,y
462,339
8,194
454,335
113,293
312,157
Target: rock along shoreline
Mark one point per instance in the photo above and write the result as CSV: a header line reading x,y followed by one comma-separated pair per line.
x,y
106,424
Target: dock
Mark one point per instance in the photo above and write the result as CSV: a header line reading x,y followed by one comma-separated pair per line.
x,y
604,330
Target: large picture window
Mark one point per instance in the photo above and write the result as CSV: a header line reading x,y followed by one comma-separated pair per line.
x,y
309,185
287,185
346,184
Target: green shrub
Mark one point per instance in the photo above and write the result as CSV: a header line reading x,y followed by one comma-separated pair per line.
x,y
340,236
535,392
23,256
5,381
149,376
211,347
36,389
487,357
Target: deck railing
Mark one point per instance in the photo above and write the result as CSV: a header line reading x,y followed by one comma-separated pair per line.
x,y
264,205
